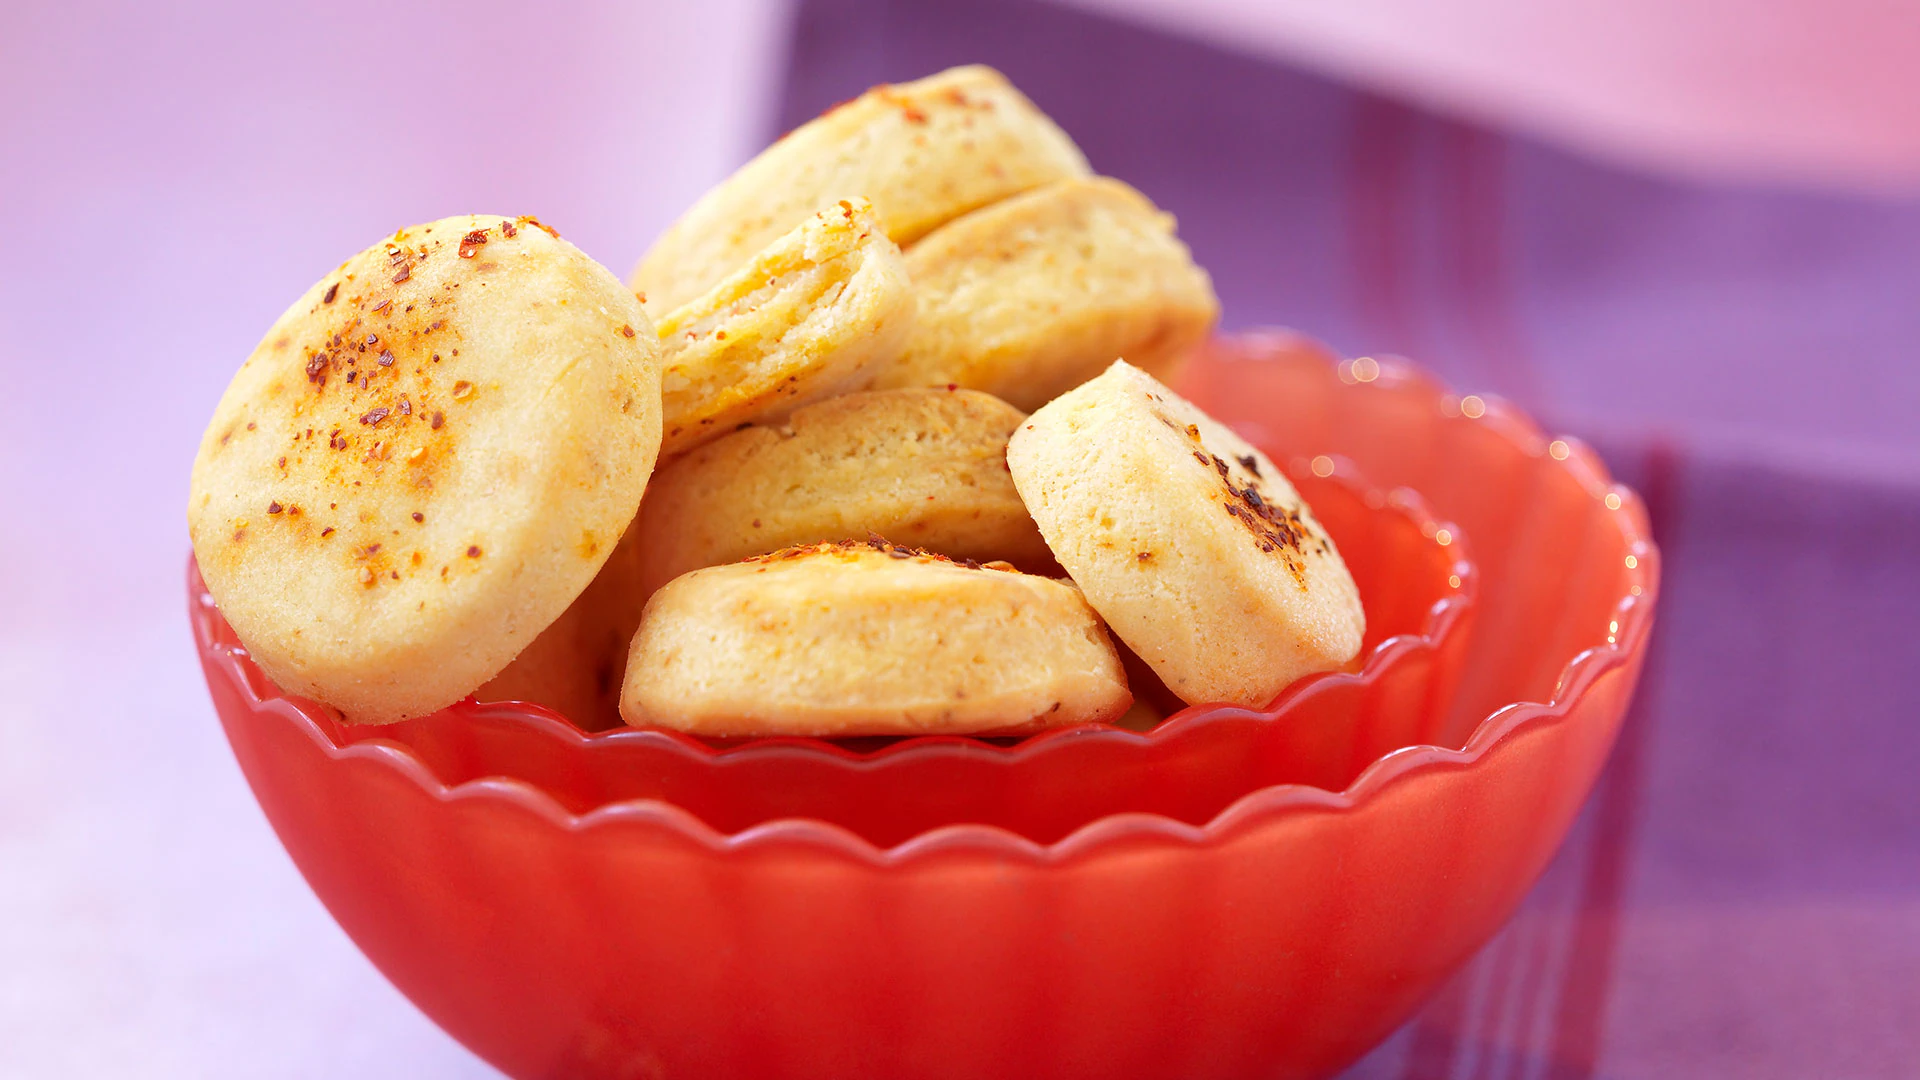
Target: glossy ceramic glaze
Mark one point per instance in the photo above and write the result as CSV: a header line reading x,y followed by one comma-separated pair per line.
x,y
1281,936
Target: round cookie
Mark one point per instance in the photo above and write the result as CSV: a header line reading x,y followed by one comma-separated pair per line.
x,y
868,639
926,467
576,665
807,318
924,152
1032,296
424,462
1194,548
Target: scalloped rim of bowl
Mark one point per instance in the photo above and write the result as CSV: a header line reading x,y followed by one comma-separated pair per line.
x,y
1442,618
1635,606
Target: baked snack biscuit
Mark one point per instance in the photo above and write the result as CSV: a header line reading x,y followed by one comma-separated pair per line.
x,y
868,639
1034,295
924,152
1188,541
424,462
807,318
576,665
926,467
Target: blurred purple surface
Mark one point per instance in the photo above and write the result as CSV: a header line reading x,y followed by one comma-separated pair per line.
x,y
1743,895
1772,323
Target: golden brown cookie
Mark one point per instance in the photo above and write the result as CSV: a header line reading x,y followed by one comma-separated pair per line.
x,y
926,467
1188,541
424,462
868,639
807,318
924,152
1036,294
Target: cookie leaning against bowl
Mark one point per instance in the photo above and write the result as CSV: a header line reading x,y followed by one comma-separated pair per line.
x,y
1186,539
926,467
808,318
426,459
1034,295
924,152
868,639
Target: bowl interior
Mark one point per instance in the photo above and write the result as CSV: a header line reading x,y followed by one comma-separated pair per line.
x,y
1557,578
1416,584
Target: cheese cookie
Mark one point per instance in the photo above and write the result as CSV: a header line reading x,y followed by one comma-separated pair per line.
x,y
868,639
924,152
1032,296
807,318
926,467
424,462
1188,541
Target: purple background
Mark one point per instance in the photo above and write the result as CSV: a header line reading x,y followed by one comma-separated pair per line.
x,y
1743,895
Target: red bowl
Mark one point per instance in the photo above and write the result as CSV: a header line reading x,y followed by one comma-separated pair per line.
x,y
1281,937
1414,578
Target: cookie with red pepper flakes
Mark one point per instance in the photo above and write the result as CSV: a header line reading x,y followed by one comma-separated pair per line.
x,y
869,639
1036,294
925,152
1195,549
927,467
424,462
807,318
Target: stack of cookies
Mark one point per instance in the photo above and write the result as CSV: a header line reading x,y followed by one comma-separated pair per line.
x,y
875,442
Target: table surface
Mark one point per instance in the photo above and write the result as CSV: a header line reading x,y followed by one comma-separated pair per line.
x,y
1742,895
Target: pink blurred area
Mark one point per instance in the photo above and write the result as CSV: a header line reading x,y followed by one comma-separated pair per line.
x,y
1793,91
171,176
175,174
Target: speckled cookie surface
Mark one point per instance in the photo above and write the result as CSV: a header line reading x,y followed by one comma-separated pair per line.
x,y
1188,541
807,318
924,152
927,468
424,462
1033,295
867,639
